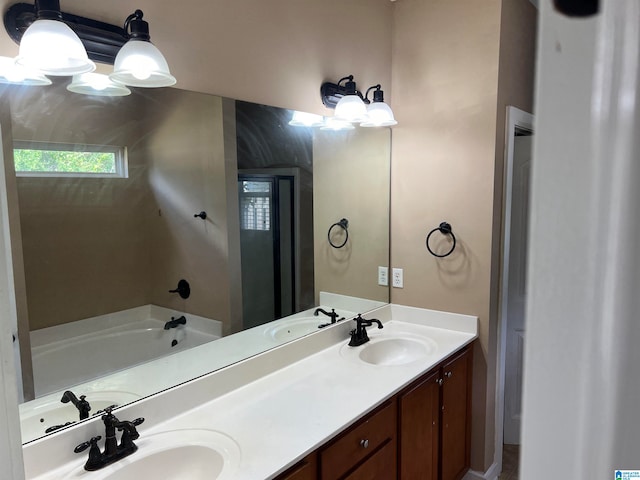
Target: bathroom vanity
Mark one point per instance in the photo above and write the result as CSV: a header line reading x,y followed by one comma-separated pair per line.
x,y
314,408
407,437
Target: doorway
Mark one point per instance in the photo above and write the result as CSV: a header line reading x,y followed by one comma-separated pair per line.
x,y
519,143
267,246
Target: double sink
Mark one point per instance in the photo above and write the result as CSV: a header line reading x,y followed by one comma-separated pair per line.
x,y
207,454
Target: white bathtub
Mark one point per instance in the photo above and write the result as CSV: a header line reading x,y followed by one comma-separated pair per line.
x,y
79,351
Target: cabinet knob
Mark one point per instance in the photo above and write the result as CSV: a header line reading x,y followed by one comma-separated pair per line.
x,y
364,443
439,381
448,374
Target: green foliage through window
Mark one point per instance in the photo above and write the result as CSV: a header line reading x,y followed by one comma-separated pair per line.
x,y
52,159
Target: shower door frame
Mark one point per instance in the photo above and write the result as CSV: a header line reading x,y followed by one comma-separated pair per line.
x,y
276,173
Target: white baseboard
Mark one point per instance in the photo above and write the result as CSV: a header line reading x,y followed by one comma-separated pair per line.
x,y
491,474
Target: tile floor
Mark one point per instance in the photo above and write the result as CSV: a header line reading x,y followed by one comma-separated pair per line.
x,y
510,462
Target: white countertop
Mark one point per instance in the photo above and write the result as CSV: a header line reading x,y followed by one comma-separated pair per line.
x,y
278,418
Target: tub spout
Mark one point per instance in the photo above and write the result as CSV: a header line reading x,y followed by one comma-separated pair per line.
x,y
80,403
174,322
333,315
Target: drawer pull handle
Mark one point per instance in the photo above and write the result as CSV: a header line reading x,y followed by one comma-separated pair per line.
x,y
364,443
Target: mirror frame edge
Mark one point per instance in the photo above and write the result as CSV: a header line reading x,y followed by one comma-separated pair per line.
x,y
11,462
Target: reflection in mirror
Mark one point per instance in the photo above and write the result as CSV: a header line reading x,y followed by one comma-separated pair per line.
x,y
106,209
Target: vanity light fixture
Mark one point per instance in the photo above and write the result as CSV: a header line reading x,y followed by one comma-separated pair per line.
x,y
335,124
49,46
379,113
350,107
305,119
139,63
14,74
97,84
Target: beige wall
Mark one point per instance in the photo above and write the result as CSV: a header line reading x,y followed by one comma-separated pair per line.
x,y
275,52
233,219
447,163
83,239
446,54
95,246
351,180
185,150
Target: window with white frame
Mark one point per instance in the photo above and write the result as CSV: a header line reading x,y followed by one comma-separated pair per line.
x,y
48,159
255,205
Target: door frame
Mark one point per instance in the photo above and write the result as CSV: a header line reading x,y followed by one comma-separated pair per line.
x,y
521,119
293,172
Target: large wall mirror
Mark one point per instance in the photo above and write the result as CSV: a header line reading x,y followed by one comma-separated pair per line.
x,y
118,202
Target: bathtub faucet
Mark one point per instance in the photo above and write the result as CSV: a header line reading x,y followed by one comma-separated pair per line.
x,y
80,403
333,315
112,450
174,322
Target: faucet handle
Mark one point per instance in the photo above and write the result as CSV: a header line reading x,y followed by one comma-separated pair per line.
x,y
94,461
129,427
137,421
104,410
90,443
129,433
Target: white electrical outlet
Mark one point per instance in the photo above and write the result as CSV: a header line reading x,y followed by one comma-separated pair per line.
x,y
383,276
397,280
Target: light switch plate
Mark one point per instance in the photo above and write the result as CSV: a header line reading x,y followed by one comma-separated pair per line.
x,y
383,276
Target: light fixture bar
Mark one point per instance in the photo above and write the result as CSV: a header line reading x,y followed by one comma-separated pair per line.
x,y
101,40
332,93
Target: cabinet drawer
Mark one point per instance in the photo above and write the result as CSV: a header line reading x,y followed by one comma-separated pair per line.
x,y
380,466
359,442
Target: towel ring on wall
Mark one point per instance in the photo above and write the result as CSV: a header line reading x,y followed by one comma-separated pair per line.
x,y
445,229
344,224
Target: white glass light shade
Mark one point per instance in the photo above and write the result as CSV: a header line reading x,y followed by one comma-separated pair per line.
x,y
332,123
380,115
52,48
97,84
304,119
12,73
140,64
351,108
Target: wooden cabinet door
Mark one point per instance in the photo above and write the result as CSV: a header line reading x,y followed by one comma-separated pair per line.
x,y
380,466
305,469
456,401
419,411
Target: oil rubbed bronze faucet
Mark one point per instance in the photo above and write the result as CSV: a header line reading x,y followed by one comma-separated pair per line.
x,y
333,315
112,450
359,334
80,403
174,322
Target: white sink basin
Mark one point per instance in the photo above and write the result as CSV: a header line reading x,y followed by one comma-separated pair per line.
x,y
392,350
191,454
290,329
395,351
